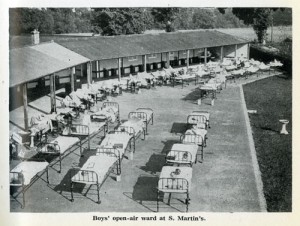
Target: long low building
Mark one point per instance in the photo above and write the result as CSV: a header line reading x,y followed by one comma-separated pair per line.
x,y
45,67
122,55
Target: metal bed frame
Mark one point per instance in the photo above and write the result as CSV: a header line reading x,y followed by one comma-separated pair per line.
x,y
83,176
20,182
204,112
142,115
113,104
183,80
193,139
54,149
83,132
177,189
173,153
131,132
198,119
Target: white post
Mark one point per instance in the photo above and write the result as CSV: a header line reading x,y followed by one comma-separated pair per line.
x,y
72,79
145,62
25,105
205,56
88,74
168,60
97,69
119,68
187,58
222,53
235,52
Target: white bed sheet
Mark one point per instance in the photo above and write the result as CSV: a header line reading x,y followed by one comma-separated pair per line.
x,y
116,139
64,143
136,124
100,164
29,169
172,185
179,156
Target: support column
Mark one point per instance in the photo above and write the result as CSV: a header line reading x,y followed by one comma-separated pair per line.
x,y
52,93
168,60
205,56
222,53
119,67
97,69
72,71
81,70
187,58
235,53
25,105
145,63
88,74
248,53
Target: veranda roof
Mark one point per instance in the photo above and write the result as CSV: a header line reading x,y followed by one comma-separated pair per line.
x,y
98,48
36,61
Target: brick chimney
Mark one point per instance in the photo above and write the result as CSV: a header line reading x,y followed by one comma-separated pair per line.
x,y
35,37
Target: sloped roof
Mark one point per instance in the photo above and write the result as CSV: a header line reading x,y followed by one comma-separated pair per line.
x,y
98,48
33,62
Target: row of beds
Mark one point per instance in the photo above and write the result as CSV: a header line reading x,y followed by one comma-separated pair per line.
x,y
97,168
176,175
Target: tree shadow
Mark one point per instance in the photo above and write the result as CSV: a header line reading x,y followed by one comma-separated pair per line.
x,y
168,145
155,163
192,96
179,127
144,192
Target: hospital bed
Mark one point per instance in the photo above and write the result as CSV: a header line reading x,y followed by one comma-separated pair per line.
x,y
60,146
175,180
96,169
25,174
146,114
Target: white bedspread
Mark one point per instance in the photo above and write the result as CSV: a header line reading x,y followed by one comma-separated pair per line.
x,y
63,142
174,185
197,131
121,140
29,170
180,157
136,124
99,164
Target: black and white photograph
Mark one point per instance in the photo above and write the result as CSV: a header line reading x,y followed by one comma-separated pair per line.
x,y
183,110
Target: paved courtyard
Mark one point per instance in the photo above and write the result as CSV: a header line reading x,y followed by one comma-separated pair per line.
x,y
224,182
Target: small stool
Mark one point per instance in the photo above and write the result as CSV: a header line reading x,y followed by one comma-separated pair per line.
x,y
284,123
32,140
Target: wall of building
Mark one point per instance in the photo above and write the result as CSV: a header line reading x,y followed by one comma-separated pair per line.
x,y
242,50
229,51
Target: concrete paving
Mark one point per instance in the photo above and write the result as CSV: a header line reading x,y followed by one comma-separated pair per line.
x,y
224,182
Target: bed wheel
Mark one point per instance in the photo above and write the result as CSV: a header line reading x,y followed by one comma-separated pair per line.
x,y
187,201
72,200
99,202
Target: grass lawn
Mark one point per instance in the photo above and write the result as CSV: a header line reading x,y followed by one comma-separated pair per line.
x,y
272,98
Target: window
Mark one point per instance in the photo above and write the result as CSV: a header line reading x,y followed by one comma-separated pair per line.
x,y
133,58
152,56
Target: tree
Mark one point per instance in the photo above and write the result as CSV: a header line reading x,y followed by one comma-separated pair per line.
x,y
119,21
259,18
166,17
203,18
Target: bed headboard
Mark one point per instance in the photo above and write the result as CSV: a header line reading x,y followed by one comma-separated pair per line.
x,y
110,104
192,139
